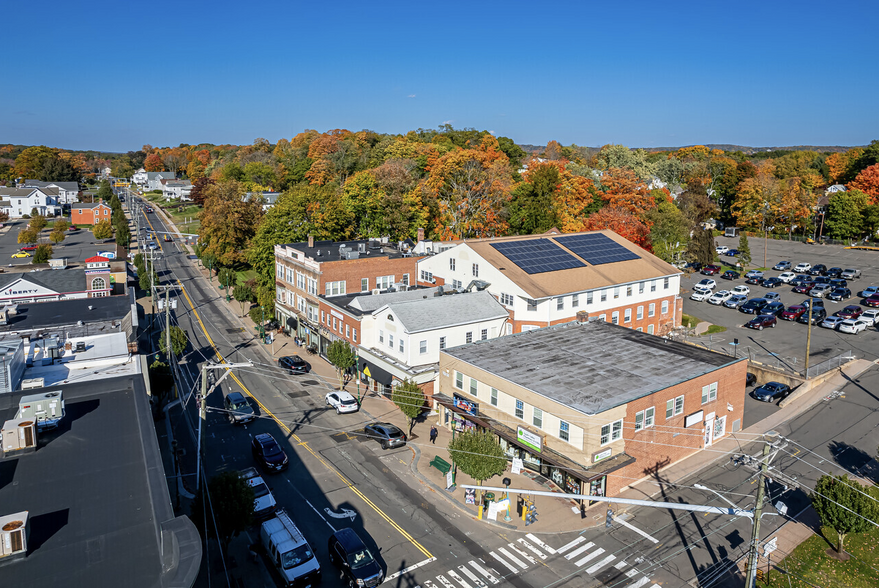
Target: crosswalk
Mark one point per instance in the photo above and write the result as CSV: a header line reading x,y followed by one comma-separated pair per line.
x,y
518,556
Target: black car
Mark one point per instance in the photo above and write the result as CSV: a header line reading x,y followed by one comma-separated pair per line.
x,y
759,322
817,302
821,280
818,315
294,364
771,283
730,275
799,280
770,391
838,283
386,434
753,306
773,308
840,294
349,553
237,409
818,270
693,266
268,453
833,272
755,280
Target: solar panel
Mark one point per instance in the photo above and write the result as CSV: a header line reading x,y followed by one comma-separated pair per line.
x,y
596,248
536,256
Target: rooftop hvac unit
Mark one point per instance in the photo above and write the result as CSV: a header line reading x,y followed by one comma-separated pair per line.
x,y
32,383
352,255
47,409
13,535
19,435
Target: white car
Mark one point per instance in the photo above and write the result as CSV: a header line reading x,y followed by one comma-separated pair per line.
x,y
870,316
802,268
700,295
832,322
705,285
741,289
786,277
719,297
721,249
263,502
342,401
853,326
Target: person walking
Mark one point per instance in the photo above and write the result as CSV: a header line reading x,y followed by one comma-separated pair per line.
x,y
433,434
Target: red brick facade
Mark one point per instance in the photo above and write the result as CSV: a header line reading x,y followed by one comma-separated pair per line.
x,y
90,216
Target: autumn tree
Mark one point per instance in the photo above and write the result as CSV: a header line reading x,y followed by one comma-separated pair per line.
x,y
621,189
38,223
757,203
29,163
57,236
228,222
153,163
199,189
621,157
669,231
868,182
27,236
622,222
553,151
103,230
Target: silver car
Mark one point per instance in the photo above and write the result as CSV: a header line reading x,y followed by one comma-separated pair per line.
x,y
820,291
850,274
735,301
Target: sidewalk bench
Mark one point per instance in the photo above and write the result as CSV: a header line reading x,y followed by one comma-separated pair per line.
x,y
441,464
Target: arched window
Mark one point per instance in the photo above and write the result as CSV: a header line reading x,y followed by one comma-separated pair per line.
x,y
98,284
391,317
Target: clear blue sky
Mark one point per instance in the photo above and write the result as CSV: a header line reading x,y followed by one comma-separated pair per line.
x,y
114,75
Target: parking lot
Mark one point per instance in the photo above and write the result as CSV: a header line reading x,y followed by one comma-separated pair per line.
x,y
77,246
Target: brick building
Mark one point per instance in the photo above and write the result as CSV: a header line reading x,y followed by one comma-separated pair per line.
x,y
546,279
89,213
309,274
590,405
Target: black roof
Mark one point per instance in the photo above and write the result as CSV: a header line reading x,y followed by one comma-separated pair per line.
x,y
329,250
349,539
58,313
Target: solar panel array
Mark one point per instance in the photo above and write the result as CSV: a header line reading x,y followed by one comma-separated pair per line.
x,y
597,249
536,256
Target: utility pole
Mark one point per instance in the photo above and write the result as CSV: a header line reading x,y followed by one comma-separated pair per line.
x,y
808,337
750,581
168,351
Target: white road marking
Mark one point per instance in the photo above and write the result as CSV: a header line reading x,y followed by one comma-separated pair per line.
x,y
442,580
620,565
639,583
458,579
632,573
598,565
473,578
522,553
541,543
580,550
576,541
637,530
509,567
533,549
589,557
514,559
409,569
485,573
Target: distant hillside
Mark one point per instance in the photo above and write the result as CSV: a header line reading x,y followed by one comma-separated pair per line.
x,y
726,147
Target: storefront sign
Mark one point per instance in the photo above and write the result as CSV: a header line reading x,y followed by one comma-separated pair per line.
x,y
693,419
529,439
338,315
602,455
517,465
468,406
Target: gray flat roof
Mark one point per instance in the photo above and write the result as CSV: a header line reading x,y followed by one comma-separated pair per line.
x,y
96,494
56,313
591,366
436,312
329,250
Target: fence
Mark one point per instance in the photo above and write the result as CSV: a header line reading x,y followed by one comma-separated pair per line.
x,y
829,364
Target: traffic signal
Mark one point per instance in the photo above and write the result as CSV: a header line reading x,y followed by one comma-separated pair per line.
x,y
530,513
608,522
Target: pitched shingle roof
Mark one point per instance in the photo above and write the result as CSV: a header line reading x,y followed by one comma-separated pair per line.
x,y
447,311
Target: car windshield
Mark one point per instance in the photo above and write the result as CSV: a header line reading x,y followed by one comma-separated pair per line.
x,y
296,557
348,401
260,490
238,405
360,559
395,433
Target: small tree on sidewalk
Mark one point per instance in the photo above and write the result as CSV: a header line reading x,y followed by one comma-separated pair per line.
x,y
845,506
744,250
478,454
342,357
243,294
231,506
409,398
179,341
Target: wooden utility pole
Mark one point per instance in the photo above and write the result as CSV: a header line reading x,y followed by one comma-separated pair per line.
x,y
751,574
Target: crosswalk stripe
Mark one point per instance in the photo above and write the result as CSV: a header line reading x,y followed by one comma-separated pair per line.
x,y
540,543
485,573
514,559
589,557
473,578
533,549
522,553
458,579
598,565
445,582
639,583
621,564
580,550
576,541
509,567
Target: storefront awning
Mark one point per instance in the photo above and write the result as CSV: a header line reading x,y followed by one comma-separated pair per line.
x,y
376,373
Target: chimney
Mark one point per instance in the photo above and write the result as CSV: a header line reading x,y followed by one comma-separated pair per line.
x,y
582,316
420,235
311,240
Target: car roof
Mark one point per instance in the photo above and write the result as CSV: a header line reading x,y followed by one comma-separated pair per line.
x,y
349,539
264,438
343,394
235,397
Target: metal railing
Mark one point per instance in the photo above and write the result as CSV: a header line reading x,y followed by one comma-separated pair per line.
x,y
829,364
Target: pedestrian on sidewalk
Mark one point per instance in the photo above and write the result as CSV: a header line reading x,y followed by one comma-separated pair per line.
x,y
433,434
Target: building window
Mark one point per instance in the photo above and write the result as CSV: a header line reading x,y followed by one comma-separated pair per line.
x,y
364,284
650,329
575,301
588,298
493,397
665,283
532,304
651,310
644,418
469,337
612,432
564,431
506,299
381,336
390,340
520,410
537,417
312,286
98,284
422,346
475,270
639,329
616,292
674,407
484,334
473,387
628,291
665,307
709,392
459,380
334,323
627,316
321,316
442,342
560,304
405,280
602,317
354,338
347,331
653,286
401,346
384,282
604,295
452,264
640,287
457,284
640,313
615,318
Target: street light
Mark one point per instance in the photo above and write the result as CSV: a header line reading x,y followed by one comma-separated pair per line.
x,y
721,496
262,324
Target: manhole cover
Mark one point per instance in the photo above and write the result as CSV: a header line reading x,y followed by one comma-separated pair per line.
x,y
297,394
310,383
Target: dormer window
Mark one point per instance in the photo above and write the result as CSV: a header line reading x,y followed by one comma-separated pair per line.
x,y
391,317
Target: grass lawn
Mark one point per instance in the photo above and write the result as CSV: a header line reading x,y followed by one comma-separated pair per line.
x,y
245,274
809,565
715,329
690,321
182,217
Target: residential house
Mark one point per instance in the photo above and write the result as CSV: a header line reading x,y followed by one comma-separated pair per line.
x,y
18,202
547,279
67,192
176,189
140,177
268,199
89,213
590,405
154,179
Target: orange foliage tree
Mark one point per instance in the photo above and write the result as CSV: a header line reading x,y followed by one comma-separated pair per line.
x,y
621,222
868,182
153,163
623,190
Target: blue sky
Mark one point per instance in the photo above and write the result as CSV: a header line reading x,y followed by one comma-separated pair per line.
x,y
114,75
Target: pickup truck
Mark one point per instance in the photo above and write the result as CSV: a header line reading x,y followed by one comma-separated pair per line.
x,y
291,554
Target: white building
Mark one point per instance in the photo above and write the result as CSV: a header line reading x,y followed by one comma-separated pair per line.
x,y
17,202
176,189
139,177
67,192
154,179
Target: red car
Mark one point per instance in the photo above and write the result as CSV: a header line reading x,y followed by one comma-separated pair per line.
x,y
872,301
710,270
793,312
804,288
764,320
72,228
852,311
29,248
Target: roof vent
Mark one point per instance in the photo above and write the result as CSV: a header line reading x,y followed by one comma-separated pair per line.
x,y
91,307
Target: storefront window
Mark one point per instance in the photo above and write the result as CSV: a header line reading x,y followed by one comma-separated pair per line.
x,y
597,488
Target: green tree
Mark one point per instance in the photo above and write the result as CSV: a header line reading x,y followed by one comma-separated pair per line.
x,y
478,454
43,253
26,236
123,233
409,398
744,250
243,294
231,507
38,223
115,204
228,222
105,192
143,278
226,276
701,246
845,218
531,207
342,356
845,506
179,341
103,230
870,214
57,169
669,231
57,236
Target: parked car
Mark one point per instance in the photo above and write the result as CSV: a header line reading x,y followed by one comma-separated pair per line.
x,y
693,266
800,279
872,301
719,297
774,308
833,272
770,391
700,295
167,238
822,280
710,270
804,287
818,270
268,453
741,289
753,306
386,434
763,320
342,401
705,284
782,266
754,273
794,312
28,248
754,280
852,326
237,409
787,277
850,274
820,290
870,316
264,504
20,254
840,294
735,301
851,311
72,228
818,315
772,296
869,291
289,551
351,556
732,253
802,268
721,249
750,379
831,322
294,364
730,275
816,302
772,283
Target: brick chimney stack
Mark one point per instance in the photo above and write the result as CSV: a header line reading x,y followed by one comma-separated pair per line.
x,y
311,240
582,316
